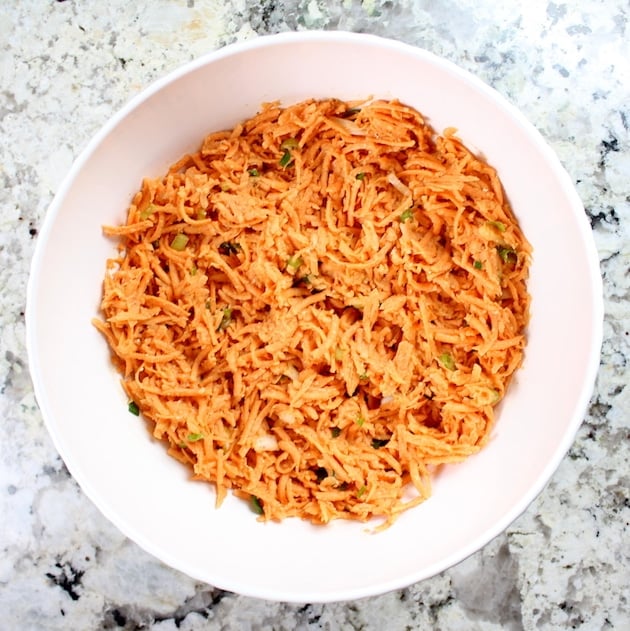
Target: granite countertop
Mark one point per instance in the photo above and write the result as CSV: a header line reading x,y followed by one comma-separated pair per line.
x,y
66,66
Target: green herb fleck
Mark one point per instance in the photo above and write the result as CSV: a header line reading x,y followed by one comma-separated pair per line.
x,y
226,319
362,491
254,172
406,215
193,438
364,376
478,265
377,443
360,176
285,159
256,505
289,143
193,270
148,211
497,225
447,361
339,354
507,254
359,421
335,432
179,242
133,408
295,262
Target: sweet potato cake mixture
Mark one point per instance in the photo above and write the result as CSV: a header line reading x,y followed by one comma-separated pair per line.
x,y
320,307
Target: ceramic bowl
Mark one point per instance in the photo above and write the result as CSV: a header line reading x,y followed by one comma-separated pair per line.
x,y
148,495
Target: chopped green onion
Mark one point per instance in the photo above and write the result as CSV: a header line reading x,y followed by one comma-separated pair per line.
x,y
362,491
360,176
497,225
226,319
377,443
201,214
255,505
289,143
447,361
478,265
359,421
363,376
179,242
285,159
254,172
294,262
148,211
193,438
406,215
229,247
507,254
133,408
193,270
207,304
335,432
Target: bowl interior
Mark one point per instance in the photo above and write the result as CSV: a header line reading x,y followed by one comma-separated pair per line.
x,y
147,494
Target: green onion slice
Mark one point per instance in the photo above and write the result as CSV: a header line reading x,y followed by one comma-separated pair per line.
x,y
193,438
285,159
255,505
478,265
289,143
406,215
447,361
294,262
226,319
133,408
148,211
179,242
497,225
507,254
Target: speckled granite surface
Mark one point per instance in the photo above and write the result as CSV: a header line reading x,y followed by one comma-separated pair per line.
x,y
65,67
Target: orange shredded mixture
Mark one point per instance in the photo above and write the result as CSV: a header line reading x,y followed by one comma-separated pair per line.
x,y
319,307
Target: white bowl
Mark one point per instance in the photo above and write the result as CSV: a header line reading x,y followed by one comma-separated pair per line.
x,y
146,493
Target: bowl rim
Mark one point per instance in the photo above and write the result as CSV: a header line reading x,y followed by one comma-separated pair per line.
x,y
235,49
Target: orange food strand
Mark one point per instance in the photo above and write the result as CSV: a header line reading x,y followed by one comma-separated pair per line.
x,y
339,322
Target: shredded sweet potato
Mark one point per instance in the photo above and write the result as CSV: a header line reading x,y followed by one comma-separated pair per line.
x,y
319,307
